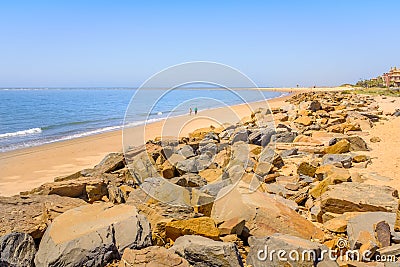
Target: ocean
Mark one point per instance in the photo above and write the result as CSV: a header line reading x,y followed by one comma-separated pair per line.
x,y
32,117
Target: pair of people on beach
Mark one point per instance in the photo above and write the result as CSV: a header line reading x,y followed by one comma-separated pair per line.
x,y
195,111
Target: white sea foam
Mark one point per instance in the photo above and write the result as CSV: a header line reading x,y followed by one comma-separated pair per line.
x,y
77,135
21,133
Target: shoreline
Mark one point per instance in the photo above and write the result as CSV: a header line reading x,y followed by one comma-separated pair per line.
x,y
284,90
27,168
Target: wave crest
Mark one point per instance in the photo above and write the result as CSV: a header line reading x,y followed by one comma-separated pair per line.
x,y
21,133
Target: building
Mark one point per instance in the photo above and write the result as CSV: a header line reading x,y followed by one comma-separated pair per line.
x,y
392,78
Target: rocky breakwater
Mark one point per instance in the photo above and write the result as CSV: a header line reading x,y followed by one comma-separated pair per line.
x,y
282,179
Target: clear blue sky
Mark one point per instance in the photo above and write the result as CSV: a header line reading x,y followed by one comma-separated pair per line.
x,y
122,43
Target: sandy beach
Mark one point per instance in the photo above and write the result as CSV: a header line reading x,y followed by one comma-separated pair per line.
x,y
24,169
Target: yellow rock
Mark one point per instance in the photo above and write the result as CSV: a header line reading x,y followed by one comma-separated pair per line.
x,y
342,146
256,150
126,190
222,158
303,112
320,188
203,226
340,107
306,168
168,170
305,139
211,174
338,174
360,158
330,175
304,120
96,191
397,223
201,132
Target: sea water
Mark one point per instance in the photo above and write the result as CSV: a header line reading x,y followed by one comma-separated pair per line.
x,y
32,117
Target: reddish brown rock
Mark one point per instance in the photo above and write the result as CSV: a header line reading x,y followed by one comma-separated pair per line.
x,y
263,214
32,214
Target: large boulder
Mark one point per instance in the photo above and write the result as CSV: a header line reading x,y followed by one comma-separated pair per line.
x,y
140,164
93,235
240,135
152,256
111,162
17,250
240,154
156,211
352,196
31,214
365,222
201,251
261,136
186,151
164,191
87,188
296,252
194,164
263,214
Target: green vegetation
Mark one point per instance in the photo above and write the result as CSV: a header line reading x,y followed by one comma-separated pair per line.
x,y
376,82
375,91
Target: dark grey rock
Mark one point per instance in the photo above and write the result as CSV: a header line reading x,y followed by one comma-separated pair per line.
x,y
365,222
284,137
215,187
141,165
314,106
207,148
194,164
211,136
240,154
189,180
267,155
186,151
241,135
112,162
17,250
372,117
200,251
289,152
339,160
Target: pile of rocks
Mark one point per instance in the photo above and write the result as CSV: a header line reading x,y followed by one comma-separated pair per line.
x,y
285,178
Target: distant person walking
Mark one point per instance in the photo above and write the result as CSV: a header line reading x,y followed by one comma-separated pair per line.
x,y
190,111
195,111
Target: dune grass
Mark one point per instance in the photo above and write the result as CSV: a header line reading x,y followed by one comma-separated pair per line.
x,y
376,91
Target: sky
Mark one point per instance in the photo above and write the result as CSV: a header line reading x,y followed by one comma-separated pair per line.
x,y
82,43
